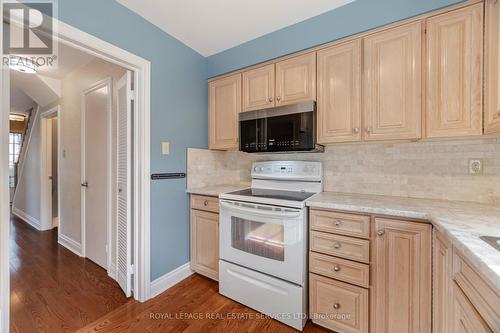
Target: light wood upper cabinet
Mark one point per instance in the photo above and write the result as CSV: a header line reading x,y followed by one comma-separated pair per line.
x,y
258,88
442,284
224,96
392,89
401,292
454,73
492,71
296,79
205,243
339,93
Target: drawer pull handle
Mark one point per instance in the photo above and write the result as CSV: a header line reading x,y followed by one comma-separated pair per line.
x,y
336,268
381,232
205,203
338,223
337,246
336,306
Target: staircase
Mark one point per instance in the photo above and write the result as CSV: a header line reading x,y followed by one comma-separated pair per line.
x,y
24,144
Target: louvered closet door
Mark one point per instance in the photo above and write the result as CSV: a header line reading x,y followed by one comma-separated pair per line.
x,y
124,162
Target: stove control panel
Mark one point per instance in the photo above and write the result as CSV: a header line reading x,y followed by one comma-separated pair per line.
x,y
292,170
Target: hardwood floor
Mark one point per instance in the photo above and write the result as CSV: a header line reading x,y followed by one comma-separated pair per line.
x,y
193,305
52,289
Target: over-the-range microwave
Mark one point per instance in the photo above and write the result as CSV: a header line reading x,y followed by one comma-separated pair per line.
x,y
289,128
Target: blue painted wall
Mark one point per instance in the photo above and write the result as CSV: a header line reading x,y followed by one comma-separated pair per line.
x,y
179,91
178,114
353,18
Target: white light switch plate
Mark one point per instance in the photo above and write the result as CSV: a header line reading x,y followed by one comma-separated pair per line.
x,y
165,148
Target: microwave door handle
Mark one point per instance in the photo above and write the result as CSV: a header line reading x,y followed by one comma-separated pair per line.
x,y
259,211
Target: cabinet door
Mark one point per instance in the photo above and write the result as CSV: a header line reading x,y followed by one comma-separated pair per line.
x,y
492,72
224,106
205,243
258,88
442,284
339,93
401,291
393,89
465,317
296,79
454,73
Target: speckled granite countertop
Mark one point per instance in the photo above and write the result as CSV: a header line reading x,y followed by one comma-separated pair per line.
x,y
215,190
462,222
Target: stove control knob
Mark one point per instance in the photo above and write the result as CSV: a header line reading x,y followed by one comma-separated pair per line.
x,y
257,169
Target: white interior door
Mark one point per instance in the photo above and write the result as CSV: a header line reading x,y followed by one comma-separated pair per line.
x,y
124,185
95,172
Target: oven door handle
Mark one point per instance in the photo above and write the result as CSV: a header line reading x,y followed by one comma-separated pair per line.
x,y
229,205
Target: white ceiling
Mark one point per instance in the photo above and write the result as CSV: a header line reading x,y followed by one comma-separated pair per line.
x,y
68,60
212,26
44,87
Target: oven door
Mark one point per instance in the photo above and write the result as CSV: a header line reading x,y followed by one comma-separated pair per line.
x,y
269,239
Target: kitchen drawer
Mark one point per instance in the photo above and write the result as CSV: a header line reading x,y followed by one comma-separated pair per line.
x,y
341,246
484,298
340,269
337,305
202,202
465,317
340,223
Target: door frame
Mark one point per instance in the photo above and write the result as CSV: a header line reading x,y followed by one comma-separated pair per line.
x,y
107,82
4,191
141,68
46,169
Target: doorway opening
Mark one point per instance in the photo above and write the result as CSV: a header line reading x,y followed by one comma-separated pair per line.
x,y
53,172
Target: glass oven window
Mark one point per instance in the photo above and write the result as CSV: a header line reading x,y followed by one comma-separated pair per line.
x,y
261,239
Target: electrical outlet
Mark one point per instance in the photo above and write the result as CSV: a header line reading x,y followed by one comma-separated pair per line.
x,y
475,167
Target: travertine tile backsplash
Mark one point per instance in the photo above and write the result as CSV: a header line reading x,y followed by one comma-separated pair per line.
x,y
435,170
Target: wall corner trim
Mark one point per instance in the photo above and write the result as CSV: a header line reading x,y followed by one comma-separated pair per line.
x,y
70,244
169,279
26,218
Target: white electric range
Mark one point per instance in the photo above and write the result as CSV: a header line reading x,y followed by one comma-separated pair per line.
x,y
263,239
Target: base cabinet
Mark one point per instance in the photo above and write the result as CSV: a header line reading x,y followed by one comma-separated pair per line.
x,y
462,300
442,281
465,318
205,236
339,306
401,286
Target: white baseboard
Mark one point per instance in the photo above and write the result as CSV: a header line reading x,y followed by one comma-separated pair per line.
x,y
26,218
112,272
166,281
70,244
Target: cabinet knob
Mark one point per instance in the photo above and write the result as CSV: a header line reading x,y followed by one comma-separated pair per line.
x,y
368,130
337,246
336,306
336,268
356,130
338,223
205,203
270,99
381,232
278,98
